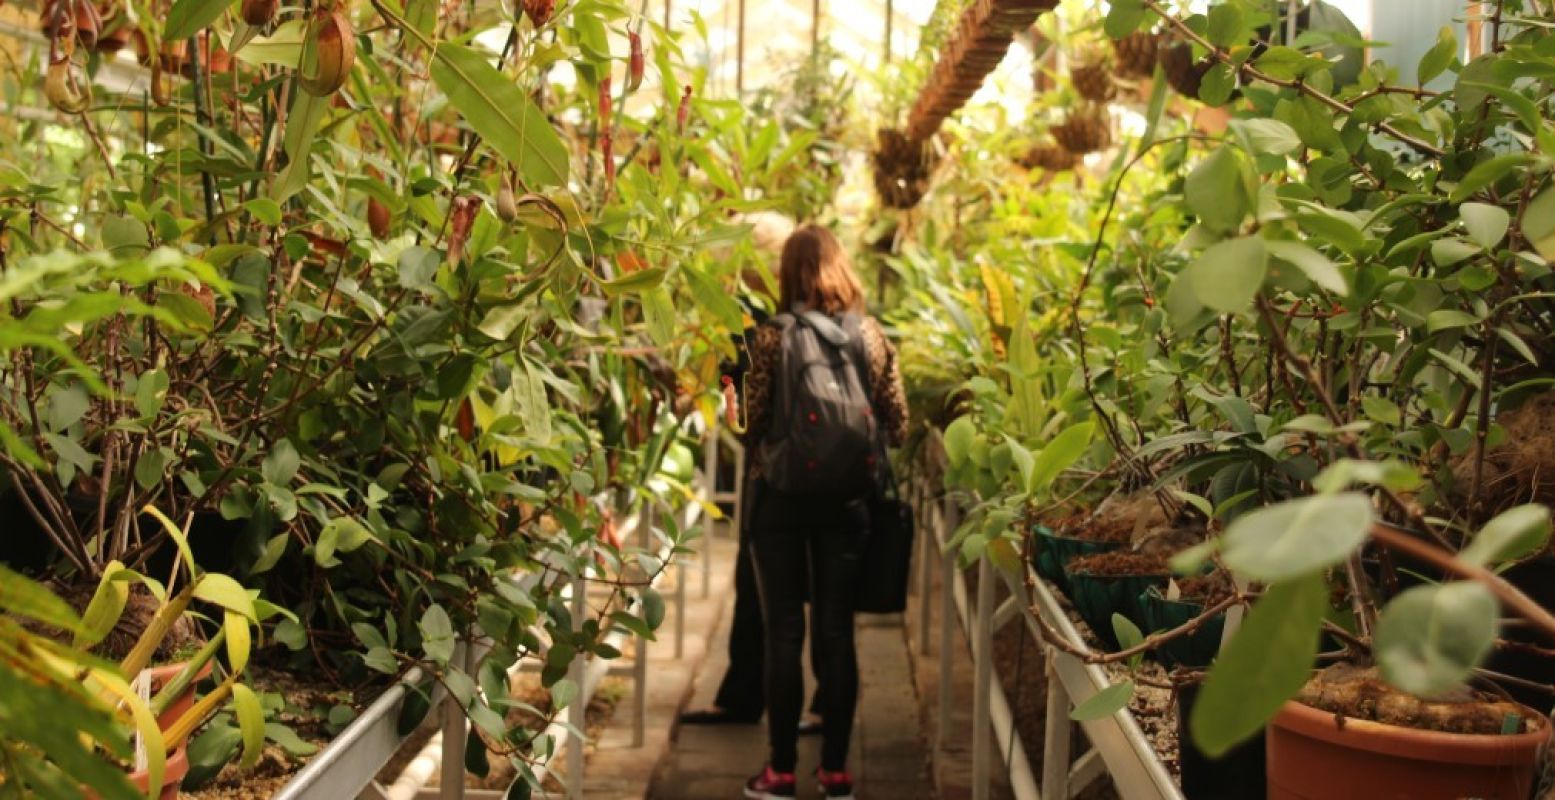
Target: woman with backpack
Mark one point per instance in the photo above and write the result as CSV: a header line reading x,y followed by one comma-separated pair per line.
x,y
824,398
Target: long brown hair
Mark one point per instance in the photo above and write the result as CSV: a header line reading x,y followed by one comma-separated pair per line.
x,y
816,272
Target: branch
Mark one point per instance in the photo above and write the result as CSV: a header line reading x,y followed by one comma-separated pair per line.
x,y
1396,539
1253,72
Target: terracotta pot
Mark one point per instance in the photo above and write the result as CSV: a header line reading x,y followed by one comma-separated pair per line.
x,y
160,676
172,777
1312,756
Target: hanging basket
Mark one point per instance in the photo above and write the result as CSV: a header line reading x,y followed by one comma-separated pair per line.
x,y
1087,130
1182,71
1134,56
902,168
1049,157
1093,81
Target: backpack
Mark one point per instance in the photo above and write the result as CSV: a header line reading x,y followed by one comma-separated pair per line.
x,y
823,435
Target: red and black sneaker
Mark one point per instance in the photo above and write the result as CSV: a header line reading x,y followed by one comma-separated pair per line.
x,y
835,785
770,784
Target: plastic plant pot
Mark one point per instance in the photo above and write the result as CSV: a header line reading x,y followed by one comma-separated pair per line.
x,y
1097,597
1053,551
1197,649
1314,753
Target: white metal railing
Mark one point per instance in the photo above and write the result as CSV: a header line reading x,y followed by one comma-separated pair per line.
x,y
1118,746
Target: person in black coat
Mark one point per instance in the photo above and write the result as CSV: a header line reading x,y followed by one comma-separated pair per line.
x,y
741,698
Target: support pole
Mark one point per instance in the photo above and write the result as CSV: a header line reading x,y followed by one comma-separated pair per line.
x,y
815,28
668,7
451,787
927,512
640,650
889,13
1055,757
576,713
982,660
947,620
739,54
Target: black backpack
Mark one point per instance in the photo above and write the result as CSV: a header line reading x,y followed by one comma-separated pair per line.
x,y
823,436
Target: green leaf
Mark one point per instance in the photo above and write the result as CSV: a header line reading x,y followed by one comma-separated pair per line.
x,y
239,641
1486,224
1446,318
281,464
225,592
1266,662
1446,252
1216,193
302,123
653,608
70,452
500,322
1516,343
1227,275
1297,537
563,692
150,392
1539,223
1311,263
274,549
1437,59
1430,637
1512,534
502,114
105,608
634,282
1227,27
1123,18
1264,135
1486,173
437,634
187,17
189,312
251,723
958,440
1059,454
265,210
339,535
1104,703
1381,409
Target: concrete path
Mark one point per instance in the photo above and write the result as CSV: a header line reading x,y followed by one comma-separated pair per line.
x,y
889,761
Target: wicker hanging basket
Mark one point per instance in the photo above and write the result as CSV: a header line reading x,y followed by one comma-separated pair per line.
x,y
1092,80
1049,157
1182,71
1134,56
1086,130
902,168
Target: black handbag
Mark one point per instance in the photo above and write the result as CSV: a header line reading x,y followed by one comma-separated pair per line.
x,y
887,557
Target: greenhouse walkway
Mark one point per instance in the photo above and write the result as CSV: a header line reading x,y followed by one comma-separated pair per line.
x,y
889,758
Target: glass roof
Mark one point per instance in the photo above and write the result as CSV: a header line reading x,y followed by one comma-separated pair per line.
x,y
776,31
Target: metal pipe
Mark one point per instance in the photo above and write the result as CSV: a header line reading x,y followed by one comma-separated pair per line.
x,y
640,649
1055,754
982,686
889,12
739,53
947,622
577,712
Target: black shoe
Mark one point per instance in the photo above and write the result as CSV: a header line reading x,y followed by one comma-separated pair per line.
x,y
717,716
811,726
835,785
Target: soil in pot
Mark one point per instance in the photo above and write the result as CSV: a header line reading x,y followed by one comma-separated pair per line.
x,y
1350,736
1236,775
1107,583
1112,526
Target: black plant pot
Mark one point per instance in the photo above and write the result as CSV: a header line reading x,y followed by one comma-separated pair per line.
x,y
1053,551
1195,650
1097,597
1238,775
1535,578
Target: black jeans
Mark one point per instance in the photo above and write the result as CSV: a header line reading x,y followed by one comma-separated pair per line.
x,y
742,691
816,540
